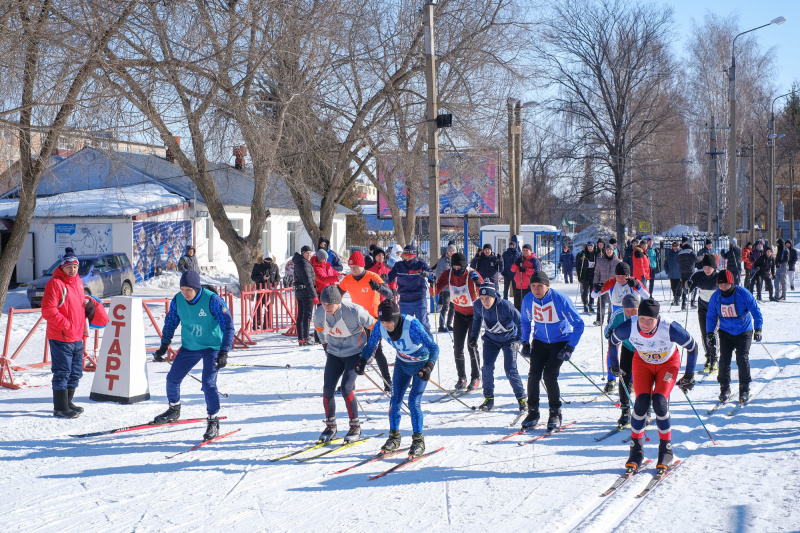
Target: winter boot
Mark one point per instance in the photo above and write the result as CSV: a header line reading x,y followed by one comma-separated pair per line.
x,y
664,454
170,415
72,406
487,405
329,433
636,455
585,309
355,431
554,421
712,362
611,384
523,405
212,430
417,445
442,329
724,393
61,405
474,383
393,442
744,395
461,383
596,323
531,421
625,418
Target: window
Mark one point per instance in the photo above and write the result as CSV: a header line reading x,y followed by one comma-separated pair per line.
x,y
265,239
501,245
237,225
123,260
291,230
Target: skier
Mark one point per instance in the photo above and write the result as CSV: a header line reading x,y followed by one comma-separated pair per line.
x,y
556,332
792,262
341,328
510,257
462,283
738,315
673,272
567,264
206,334
366,289
412,276
331,256
733,259
781,267
747,261
501,323
630,308
654,373
763,269
652,255
585,267
686,264
416,357
380,268
616,288
604,270
304,281
446,314
705,281
489,265
523,268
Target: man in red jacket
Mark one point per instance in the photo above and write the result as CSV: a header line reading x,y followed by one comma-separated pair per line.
x,y
523,269
63,308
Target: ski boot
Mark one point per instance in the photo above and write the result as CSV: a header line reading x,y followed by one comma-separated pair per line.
x,y
72,406
329,433
611,384
61,405
355,431
392,444
714,364
531,421
170,415
554,421
441,329
474,383
724,393
387,385
744,395
585,309
636,455
596,323
461,383
523,405
417,445
664,454
693,305
625,417
487,405
212,430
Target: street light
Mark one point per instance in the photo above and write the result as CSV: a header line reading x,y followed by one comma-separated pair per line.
x,y
732,186
772,138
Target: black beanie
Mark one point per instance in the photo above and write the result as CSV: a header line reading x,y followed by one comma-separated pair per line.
x,y
459,259
709,261
487,245
191,278
388,311
622,269
708,241
649,308
540,277
724,276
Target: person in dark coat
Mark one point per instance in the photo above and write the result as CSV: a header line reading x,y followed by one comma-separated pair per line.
x,y
584,266
333,257
369,259
304,292
673,271
265,275
733,260
686,263
567,264
764,269
488,265
510,257
792,262
188,261
628,257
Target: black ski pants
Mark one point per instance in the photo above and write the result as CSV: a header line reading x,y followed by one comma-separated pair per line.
x,y
755,281
684,279
508,283
626,365
461,327
727,344
305,308
675,286
702,311
447,310
344,368
545,364
586,293
383,364
519,295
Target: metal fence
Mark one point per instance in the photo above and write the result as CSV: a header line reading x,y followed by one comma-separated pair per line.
x,y
363,242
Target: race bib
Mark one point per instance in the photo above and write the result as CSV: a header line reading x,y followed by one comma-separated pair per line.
x,y
545,314
654,357
460,296
591,264
728,310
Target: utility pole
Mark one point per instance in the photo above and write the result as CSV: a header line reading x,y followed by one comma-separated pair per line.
x,y
518,171
431,112
713,214
512,167
771,186
791,198
753,187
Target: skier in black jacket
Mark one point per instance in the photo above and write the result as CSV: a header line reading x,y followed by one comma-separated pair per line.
x,y
686,263
792,262
764,269
304,291
705,282
584,266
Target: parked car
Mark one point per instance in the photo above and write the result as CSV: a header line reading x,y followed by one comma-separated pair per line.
x,y
103,275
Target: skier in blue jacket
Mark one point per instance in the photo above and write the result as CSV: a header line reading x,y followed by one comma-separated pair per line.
x,y
412,276
500,320
206,334
556,332
567,264
738,313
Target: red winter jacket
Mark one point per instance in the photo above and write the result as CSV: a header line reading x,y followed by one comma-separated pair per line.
x,y
462,303
63,307
522,280
641,264
325,274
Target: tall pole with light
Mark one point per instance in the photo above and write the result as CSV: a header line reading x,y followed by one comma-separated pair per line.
x,y
431,113
773,219
732,184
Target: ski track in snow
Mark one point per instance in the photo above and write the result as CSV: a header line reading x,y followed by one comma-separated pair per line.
x,y
55,483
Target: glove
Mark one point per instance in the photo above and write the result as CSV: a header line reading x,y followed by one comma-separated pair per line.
x,y
616,371
316,300
526,349
475,276
222,359
425,373
711,340
523,269
361,366
688,284
757,335
565,353
159,354
374,285
423,274
473,342
431,281
633,283
686,383
598,287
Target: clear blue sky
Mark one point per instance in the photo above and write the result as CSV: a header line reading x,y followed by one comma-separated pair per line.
x,y
752,13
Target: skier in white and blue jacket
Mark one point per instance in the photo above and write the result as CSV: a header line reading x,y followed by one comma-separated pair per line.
x,y
500,320
416,356
557,328
206,334
738,315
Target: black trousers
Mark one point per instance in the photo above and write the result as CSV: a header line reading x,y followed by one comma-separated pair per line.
x,y
586,293
675,286
383,364
626,365
508,283
684,279
461,326
650,284
758,276
345,368
545,364
447,310
727,344
702,311
519,295
305,308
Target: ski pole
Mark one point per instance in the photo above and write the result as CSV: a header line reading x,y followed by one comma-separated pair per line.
x,y
698,417
770,356
451,394
384,392
616,404
260,366
366,416
543,385
200,381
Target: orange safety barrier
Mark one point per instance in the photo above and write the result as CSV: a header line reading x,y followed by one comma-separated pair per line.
x,y
265,310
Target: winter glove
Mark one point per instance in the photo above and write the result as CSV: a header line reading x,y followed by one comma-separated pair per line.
x,y
616,371
711,340
598,287
316,300
473,342
423,274
361,366
686,383
374,285
526,350
688,284
757,335
565,353
159,354
222,359
633,283
425,373
475,276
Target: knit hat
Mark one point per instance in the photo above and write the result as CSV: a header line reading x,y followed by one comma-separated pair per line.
x,y
528,246
451,243
459,259
600,240
377,251
612,241
487,289
725,276
267,255
191,278
631,301
190,247
732,240
684,239
356,259
709,261
69,257
590,243
305,249
452,247
622,269
649,308
410,249
487,245
388,310
539,276
322,255
708,241
330,295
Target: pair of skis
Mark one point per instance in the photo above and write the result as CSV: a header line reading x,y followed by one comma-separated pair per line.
x,y
452,395
385,455
629,473
149,425
528,431
317,445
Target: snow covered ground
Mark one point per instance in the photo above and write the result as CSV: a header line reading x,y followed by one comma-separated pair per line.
x,y
52,482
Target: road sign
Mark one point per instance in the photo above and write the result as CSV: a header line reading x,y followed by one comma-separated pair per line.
x,y
644,227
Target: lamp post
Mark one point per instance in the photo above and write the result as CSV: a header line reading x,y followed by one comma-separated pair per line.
x,y
515,161
732,192
772,138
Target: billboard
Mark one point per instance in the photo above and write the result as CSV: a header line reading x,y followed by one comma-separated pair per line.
x,y
469,184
